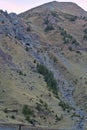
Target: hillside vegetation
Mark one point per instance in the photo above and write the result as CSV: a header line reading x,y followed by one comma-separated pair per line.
x,y
43,66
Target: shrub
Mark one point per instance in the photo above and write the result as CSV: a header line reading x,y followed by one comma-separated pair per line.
x,y
63,33
49,28
38,107
73,18
6,110
34,61
85,37
27,111
41,101
28,29
70,48
41,106
13,117
2,21
20,72
78,52
64,106
46,21
85,34
31,121
66,40
27,49
54,14
58,118
85,30
75,42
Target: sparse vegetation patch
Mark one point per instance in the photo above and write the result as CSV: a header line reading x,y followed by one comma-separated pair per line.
x,y
65,106
49,28
49,78
67,38
28,113
85,34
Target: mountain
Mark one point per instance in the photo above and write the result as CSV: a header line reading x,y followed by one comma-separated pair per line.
x,y
58,15
66,7
43,66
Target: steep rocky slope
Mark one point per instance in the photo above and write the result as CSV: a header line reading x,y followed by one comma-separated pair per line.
x,y
20,83
56,38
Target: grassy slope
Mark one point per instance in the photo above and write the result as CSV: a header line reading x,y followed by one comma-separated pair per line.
x,y
77,62
17,90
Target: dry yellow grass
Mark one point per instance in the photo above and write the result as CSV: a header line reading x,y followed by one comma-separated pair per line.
x,y
17,90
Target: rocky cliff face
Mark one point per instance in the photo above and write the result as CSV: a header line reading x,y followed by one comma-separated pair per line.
x,y
56,38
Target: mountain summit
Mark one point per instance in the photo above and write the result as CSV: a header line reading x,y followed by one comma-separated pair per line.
x,y
66,7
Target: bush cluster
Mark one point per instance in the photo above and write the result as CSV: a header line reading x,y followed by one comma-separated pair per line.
x,y
49,28
65,106
71,17
27,112
46,21
67,38
54,14
49,78
85,34
28,29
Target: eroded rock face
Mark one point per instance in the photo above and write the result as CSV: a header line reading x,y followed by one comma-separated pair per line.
x,y
15,27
